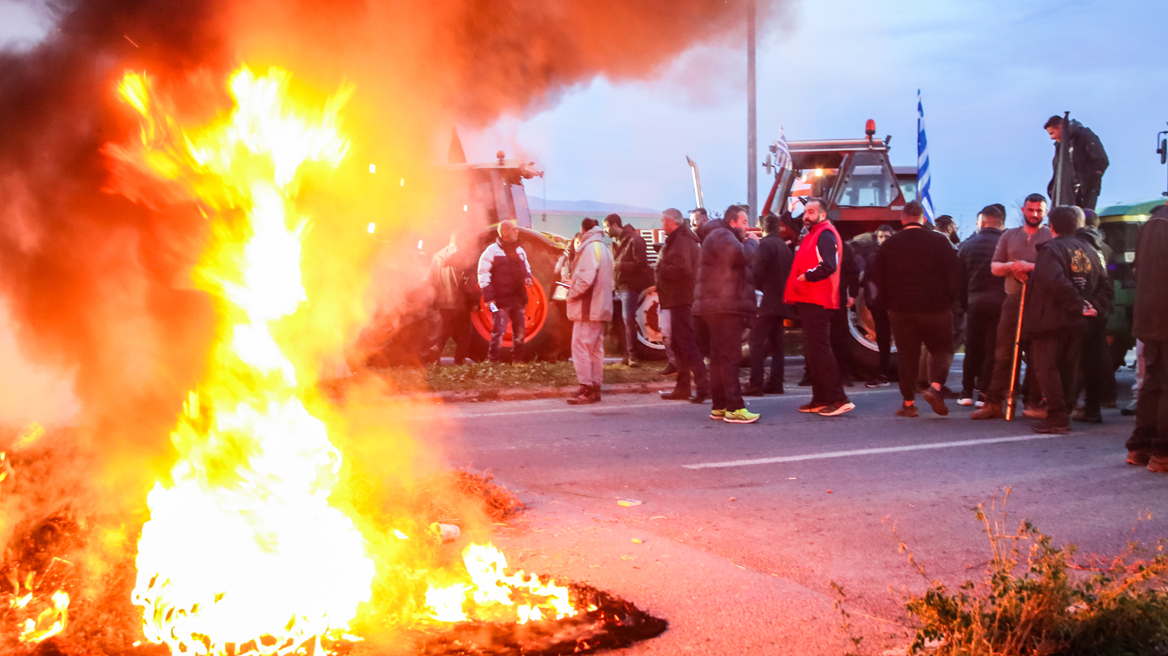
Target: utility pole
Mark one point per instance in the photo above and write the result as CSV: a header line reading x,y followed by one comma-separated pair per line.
x,y
751,118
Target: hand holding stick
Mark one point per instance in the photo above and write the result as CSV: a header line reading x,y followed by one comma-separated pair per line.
x,y
1010,400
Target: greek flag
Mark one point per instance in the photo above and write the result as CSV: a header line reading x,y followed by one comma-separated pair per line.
x,y
923,177
782,152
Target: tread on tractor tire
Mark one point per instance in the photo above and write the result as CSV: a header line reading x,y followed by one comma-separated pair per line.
x,y
549,333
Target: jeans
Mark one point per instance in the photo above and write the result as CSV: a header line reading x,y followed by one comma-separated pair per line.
x,y
1151,432
1055,357
588,351
766,338
725,358
455,325
826,387
912,329
980,341
518,329
629,301
1004,355
690,365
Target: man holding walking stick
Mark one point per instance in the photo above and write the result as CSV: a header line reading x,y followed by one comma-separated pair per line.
x,y
1014,260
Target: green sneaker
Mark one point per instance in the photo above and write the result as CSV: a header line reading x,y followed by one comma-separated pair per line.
x,y
717,414
742,416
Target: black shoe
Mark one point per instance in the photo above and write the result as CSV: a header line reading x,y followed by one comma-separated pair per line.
x,y
936,401
699,398
1129,410
879,381
594,393
669,370
751,390
1053,426
583,396
1087,416
805,381
675,395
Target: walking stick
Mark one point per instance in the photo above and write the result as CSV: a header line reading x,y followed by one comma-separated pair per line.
x,y
1010,400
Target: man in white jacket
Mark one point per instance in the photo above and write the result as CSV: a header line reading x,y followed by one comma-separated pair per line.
x,y
589,307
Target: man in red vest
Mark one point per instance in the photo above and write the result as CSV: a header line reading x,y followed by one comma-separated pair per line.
x,y
813,287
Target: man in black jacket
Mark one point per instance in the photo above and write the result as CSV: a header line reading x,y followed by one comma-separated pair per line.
x,y
1084,167
1148,444
1065,287
632,274
875,304
724,298
982,296
919,275
772,266
1095,368
677,267
504,276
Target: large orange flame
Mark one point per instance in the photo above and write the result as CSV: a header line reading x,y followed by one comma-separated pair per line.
x,y
243,552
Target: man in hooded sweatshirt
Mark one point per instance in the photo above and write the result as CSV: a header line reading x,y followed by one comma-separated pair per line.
x,y
1148,444
724,298
589,307
504,276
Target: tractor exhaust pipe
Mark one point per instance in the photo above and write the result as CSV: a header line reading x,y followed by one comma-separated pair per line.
x,y
697,178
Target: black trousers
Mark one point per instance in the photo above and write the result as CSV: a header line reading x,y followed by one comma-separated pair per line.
x,y
826,387
981,336
841,341
1055,356
456,326
1151,432
690,365
911,330
766,338
1095,364
725,358
883,340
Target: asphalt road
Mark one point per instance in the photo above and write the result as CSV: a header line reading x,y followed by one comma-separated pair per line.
x,y
743,528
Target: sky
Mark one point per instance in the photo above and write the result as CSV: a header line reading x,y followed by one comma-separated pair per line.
x,y
991,72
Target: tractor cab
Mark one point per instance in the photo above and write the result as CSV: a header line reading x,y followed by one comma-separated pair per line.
x,y
853,176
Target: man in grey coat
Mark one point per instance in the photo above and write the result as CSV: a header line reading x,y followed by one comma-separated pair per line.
x,y
589,307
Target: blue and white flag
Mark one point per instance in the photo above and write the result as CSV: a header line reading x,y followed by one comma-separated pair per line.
x,y
923,177
782,152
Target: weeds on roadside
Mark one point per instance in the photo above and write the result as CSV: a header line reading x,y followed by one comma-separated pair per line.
x,y
1033,602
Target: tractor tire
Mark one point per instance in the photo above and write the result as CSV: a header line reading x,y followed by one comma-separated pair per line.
x,y
864,350
650,343
549,333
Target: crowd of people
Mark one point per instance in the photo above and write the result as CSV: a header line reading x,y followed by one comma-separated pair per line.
x,y
1030,304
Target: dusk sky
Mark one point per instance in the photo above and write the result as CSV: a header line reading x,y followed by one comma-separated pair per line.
x,y
991,73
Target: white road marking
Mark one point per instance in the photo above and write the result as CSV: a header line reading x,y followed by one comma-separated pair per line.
x,y
868,452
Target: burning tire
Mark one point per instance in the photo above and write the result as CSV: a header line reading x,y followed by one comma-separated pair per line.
x,y
548,331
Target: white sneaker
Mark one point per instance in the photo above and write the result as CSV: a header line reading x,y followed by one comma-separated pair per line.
x,y
965,400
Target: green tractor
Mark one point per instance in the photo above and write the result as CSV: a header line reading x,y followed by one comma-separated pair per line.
x,y
1121,225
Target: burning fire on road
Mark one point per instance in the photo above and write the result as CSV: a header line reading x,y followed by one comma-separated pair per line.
x,y
184,237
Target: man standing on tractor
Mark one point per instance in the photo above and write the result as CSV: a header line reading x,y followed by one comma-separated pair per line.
x,y
1014,260
677,268
919,275
1085,164
814,289
504,276
725,299
589,307
1066,285
632,275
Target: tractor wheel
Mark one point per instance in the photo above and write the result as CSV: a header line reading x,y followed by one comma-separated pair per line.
x,y
650,342
864,350
548,331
